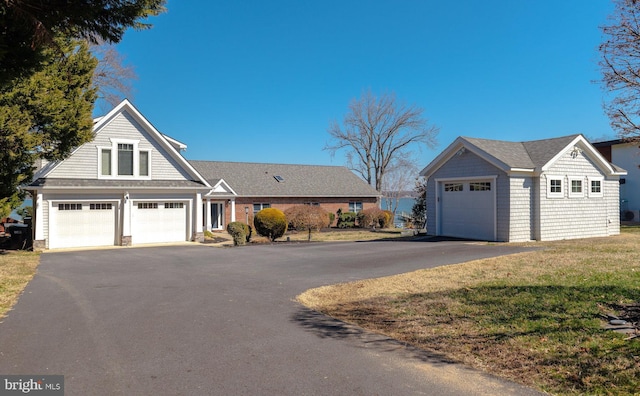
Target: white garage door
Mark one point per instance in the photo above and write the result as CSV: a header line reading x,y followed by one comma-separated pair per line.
x,y
467,209
77,224
154,222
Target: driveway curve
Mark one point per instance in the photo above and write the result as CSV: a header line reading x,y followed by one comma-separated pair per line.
x,y
197,320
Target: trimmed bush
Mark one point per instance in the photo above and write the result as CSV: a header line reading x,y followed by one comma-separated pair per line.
x,y
347,220
375,217
307,217
270,223
208,234
238,231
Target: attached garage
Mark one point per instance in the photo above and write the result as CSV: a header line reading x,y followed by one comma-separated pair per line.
x,y
78,224
467,208
157,222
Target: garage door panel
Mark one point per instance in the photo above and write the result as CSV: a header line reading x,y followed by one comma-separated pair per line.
x,y
158,222
467,209
81,224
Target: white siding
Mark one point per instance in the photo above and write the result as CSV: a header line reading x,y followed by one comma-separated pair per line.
x,y
570,217
83,163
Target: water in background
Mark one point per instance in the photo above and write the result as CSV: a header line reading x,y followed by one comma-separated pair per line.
x,y
404,205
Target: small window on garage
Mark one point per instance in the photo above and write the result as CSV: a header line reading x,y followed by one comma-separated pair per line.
x,y
576,187
147,205
453,187
100,206
174,205
595,187
480,186
70,206
554,187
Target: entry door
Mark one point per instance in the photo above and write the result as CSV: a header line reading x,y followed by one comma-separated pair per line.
x,y
217,218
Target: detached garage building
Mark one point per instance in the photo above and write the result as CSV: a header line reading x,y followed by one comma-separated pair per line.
x,y
548,189
130,185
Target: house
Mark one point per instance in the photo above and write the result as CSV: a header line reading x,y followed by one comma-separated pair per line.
x,y
130,185
542,190
241,189
626,154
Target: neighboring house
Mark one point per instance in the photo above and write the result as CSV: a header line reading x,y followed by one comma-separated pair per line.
x,y
542,190
241,189
130,185
627,155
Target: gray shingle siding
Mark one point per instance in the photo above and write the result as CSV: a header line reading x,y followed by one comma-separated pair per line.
x,y
521,217
574,217
469,165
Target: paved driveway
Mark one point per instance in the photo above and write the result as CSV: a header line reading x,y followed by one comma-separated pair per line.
x,y
197,320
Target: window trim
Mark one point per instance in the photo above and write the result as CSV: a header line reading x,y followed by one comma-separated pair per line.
x,y
570,191
356,204
590,192
553,194
114,160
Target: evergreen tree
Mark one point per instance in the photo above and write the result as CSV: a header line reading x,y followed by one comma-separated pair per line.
x,y
44,115
419,210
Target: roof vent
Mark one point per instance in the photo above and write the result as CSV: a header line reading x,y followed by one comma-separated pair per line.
x,y
279,178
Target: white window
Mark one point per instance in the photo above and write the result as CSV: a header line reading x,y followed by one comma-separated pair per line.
x,y
449,187
100,206
355,207
105,162
555,187
596,186
147,205
144,163
259,206
480,186
70,206
576,187
124,159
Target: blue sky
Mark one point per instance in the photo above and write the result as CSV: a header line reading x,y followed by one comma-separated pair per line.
x,y
261,81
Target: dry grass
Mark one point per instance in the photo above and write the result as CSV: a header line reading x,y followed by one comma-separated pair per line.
x,y
17,268
530,317
344,235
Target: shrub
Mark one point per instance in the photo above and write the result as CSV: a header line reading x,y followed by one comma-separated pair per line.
x,y
247,231
271,223
307,217
375,217
332,218
238,231
347,220
208,234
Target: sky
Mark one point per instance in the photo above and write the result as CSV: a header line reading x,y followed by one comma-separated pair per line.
x,y
261,81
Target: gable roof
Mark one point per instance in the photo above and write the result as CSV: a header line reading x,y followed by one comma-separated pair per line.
x,y
530,157
251,179
171,146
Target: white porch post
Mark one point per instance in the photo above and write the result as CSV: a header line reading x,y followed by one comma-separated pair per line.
x,y
39,220
233,209
207,214
198,225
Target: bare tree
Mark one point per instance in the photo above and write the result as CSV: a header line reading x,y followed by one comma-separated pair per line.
x,y
112,77
397,181
620,65
377,131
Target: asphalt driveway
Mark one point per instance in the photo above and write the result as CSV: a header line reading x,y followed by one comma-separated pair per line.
x,y
197,320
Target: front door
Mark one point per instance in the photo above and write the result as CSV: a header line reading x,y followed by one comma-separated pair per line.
x,y
216,216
